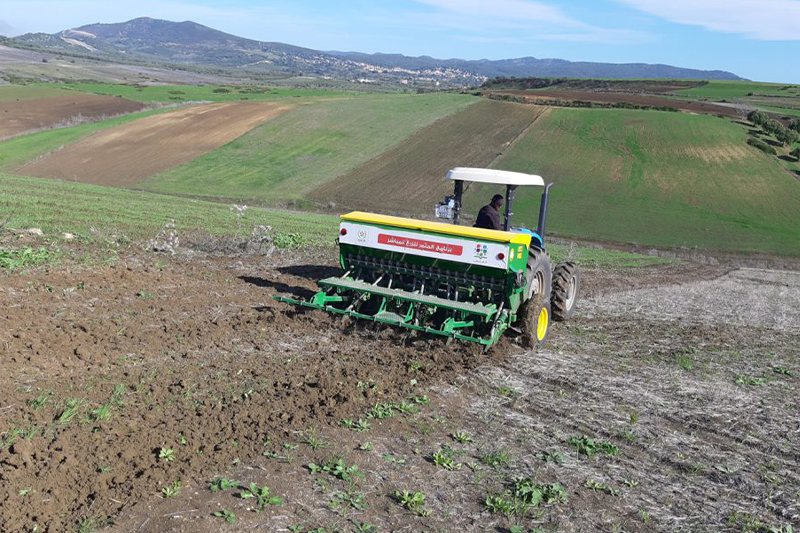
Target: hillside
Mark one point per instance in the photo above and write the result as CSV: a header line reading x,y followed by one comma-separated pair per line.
x,y
187,43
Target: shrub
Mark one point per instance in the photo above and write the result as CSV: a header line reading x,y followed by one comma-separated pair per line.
x,y
761,145
796,153
757,117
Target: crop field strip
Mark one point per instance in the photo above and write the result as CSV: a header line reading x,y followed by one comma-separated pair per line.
x,y
292,155
410,177
124,155
25,115
652,177
96,212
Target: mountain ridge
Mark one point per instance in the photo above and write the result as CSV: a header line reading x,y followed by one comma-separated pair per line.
x,y
187,42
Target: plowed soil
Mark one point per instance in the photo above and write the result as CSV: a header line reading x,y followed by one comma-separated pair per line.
x,y
636,99
106,368
409,176
125,155
17,117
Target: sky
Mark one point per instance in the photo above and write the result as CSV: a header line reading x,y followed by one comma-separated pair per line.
x,y
756,39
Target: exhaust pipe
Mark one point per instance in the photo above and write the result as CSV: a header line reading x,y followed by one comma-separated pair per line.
x,y
543,211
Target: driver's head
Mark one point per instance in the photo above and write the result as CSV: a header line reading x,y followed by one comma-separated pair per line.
x,y
497,201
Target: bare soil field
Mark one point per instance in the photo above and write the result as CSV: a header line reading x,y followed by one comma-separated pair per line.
x,y
691,106
18,117
130,385
124,155
474,137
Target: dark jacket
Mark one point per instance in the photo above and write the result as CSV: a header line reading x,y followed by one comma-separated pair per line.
x,y
488,218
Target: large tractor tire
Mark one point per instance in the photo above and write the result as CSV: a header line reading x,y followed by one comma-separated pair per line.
x,y
538,274
535,322
564,295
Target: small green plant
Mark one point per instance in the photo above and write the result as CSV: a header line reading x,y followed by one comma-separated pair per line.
x,y
71,408
444,459
600,487
413,501
461,437
422,400
24,492
751,381
360,425
348,500
551,457
381,411
338,469
309,438
394,460
40,401
25,257
365,446
262,496
222,484
226,515
782,371
172,490
167,454
364,527
590,447
496,459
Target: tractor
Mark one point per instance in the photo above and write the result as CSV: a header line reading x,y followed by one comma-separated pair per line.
x,y
460,282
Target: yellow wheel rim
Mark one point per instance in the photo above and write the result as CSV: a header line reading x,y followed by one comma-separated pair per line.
x,y
542,324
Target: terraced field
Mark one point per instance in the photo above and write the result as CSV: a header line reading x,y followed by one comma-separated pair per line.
x,y
294,154
124,155
409,177
660,178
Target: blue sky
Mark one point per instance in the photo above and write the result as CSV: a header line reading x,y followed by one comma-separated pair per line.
x,y
757,39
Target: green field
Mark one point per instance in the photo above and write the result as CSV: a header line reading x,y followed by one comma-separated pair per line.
x,y
195,93
658,178
291,155
28,92
720,90
58,206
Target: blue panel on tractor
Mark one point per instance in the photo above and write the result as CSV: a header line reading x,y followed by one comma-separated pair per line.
x,y
536,240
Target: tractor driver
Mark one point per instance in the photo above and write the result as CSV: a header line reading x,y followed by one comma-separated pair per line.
x,y
489,215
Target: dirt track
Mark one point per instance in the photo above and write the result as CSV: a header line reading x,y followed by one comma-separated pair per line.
x,y
125,155
17,117
192,354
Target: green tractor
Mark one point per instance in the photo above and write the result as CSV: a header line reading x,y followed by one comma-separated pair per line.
x,y
460,282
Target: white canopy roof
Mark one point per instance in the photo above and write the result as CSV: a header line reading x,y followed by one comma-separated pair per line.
x,y
500,177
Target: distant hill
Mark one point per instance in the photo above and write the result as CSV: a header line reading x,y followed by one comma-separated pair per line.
x,y
189,43
542,68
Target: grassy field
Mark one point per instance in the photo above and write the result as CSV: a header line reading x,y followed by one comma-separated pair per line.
x,y
307,147
664,179
58,206
28,92
737,89
412,173
195,93
20,150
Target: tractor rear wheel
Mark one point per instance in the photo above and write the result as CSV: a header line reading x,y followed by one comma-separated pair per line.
x,y
536,316
566,283
538,273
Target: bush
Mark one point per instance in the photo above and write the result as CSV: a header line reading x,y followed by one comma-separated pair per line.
x,y
772,126
787,137
757,117
795,125
761,145
796,153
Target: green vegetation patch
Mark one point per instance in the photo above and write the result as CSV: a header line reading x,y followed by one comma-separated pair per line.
x,y
10,93
195,93
291,155
724,89
58,206
654,178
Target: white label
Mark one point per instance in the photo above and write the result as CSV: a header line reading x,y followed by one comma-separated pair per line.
x,y
489,254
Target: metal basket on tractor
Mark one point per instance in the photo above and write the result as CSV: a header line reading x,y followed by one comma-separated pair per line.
x,y
445,279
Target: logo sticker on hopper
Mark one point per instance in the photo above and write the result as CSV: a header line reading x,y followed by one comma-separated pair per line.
x,y
419,244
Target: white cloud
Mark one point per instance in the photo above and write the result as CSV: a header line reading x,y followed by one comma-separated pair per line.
x,y
528,21
767,20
